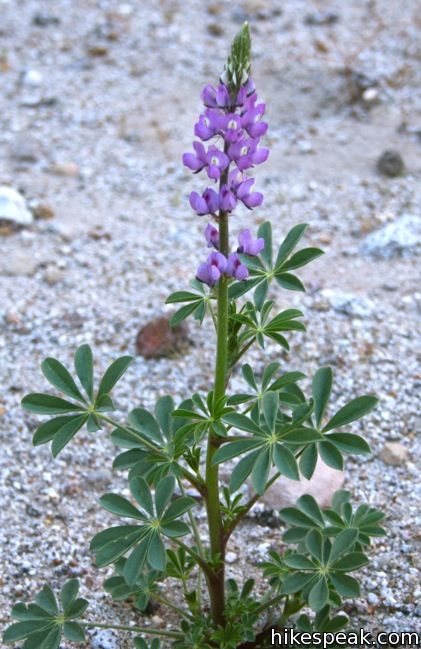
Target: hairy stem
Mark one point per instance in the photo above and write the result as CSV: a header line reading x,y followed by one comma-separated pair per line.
x,y
216,533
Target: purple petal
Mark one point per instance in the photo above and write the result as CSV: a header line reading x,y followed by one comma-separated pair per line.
x,y
212,236
192,162
253,200
198,203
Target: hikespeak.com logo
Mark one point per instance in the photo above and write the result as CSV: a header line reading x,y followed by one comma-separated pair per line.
x,y
360,638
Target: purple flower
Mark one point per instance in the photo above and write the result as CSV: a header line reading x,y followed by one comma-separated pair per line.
x,y
211,271
250,199
227,199
216,161
245,91
246,154
235,268
251,118
208,125
248,245
216,98
232,126
208,203
212,236
198,161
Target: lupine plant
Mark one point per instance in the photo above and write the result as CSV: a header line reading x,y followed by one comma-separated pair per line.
x,y
271,429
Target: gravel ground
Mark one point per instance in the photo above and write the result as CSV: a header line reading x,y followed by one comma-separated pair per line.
x,y
97,104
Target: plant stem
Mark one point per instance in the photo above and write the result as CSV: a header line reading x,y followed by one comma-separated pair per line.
x,y
217,546
201,562
135,629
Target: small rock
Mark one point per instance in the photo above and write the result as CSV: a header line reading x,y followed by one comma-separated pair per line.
x,y
231,557
105,640
321,18
157,621
390,164
24,149
32,511
371,96
322,486
394,454
13,207
42,211
18,263
67,169
33,78
349,304
158,340
215,29
53,275
97,49
399,239
2,411
41,19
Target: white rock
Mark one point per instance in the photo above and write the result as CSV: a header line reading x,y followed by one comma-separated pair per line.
x,y
13,207
349,304
322,486
32,78
394,454
105,640
17,263
399,239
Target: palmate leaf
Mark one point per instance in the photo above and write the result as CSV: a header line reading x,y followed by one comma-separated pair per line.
x,y
196,303
73,416
42,624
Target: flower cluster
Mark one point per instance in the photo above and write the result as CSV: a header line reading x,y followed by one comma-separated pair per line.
x,y
235,124
217,264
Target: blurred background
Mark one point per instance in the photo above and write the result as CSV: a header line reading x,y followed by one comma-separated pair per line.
x,y
97,104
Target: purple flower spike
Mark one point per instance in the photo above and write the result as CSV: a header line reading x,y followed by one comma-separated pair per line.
x,y
250,199
235,268
248,245
212,236
208,203
211,271
232,127
246,154
251,119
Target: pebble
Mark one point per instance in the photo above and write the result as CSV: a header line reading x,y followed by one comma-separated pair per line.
x,y
157,339
24,149
53,275
42,211
66,168
321,18
394,454
18,263
390,164
401,238
13,207
105,640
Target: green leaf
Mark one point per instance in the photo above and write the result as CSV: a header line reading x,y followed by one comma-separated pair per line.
x,y
46,599
248,374
260,472
113,374
22,630
308,460
260,294
134,565
183,296
73,632
301,258
349,443
309,506
234,449
121,506
112,535
350,562
345,585
164,408
45,433
353,410
265,231
299,562
314,544
242,470
157,557
302,436
69,592
66,433
289,282
289,243
240,288
241,422
174,529
294,516
285,462
344,542
319,595
84,366
141,492
177,508
60,378
52,641
182,314
331,456
163,494
142,420
295,582
270,407
322,386
45,404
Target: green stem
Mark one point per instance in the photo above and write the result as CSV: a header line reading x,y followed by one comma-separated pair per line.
x,y
205,567
163,600
135,629
215,523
